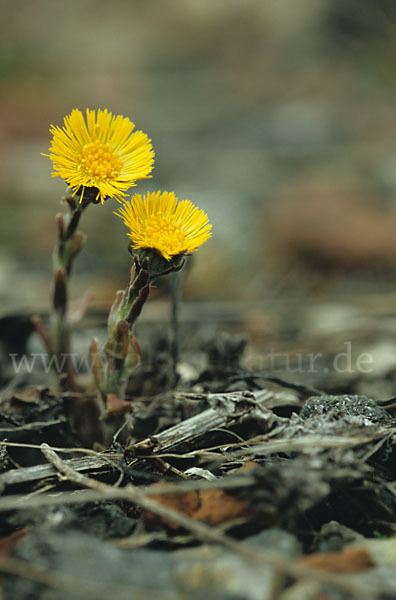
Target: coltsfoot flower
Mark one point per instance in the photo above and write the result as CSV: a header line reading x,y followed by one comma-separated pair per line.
x,y
160,222
103,153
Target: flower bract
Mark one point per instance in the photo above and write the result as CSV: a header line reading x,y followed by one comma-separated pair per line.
x,y
101,152
159,221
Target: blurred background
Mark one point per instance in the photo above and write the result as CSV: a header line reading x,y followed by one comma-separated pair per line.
x,y
277,117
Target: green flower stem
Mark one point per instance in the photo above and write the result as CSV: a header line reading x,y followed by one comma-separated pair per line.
x,y
122,353
174,323
69,243
121,349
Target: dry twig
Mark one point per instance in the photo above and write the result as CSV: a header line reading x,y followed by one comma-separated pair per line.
x,y
209,534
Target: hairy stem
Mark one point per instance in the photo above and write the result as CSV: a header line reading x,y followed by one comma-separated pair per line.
x,y
68,245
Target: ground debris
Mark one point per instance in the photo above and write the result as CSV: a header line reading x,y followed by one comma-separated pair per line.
x,y
346,406
244,462
346,561
212,506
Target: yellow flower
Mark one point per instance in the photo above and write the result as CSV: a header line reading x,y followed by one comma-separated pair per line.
x,y
159,221
102,152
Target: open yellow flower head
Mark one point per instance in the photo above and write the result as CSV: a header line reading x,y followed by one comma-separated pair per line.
x,y
159,222
101,152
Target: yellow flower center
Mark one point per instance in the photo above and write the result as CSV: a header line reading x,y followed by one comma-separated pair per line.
x,y
163,234
98,161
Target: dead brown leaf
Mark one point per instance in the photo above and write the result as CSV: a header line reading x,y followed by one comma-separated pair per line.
x,y
8,543
209,506
346,561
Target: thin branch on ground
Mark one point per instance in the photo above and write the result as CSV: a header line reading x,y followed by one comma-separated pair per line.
x,y
209,534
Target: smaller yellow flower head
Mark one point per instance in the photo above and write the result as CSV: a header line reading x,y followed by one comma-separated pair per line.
x,y
158,221
100,152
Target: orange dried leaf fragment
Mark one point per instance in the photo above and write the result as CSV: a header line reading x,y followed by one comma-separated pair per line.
x,y
209,506
8,543
350,560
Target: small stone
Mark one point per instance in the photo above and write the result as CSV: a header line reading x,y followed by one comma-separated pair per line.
x,y
334,536
216,572
303,590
